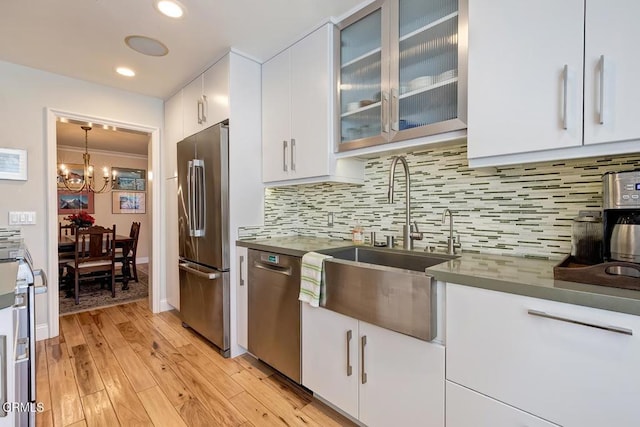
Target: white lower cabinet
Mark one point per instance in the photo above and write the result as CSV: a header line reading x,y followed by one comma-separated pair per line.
x,y
242,298
7,383
377,376
568,364
466,408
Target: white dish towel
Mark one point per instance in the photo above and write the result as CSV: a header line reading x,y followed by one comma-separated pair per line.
x,y
312,278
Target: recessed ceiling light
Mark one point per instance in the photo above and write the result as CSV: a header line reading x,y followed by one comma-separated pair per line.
x,y
146,45
170,8
124,71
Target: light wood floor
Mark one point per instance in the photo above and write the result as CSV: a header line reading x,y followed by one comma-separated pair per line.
x,y
125,366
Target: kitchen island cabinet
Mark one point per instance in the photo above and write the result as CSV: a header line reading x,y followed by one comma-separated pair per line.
x,y
568,364
561,85
376,375
297,126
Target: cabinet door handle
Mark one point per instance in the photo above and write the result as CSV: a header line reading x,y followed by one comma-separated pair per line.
x,y
565,93
385,112
205,108
601,89
241,262
616,329
394,110
363,343
284,156
293,156
349,367
200,108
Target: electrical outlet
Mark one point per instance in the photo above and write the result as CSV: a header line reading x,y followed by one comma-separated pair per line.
x,y
330,219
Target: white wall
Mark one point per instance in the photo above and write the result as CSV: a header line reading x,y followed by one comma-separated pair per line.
x,y
103,202
25,94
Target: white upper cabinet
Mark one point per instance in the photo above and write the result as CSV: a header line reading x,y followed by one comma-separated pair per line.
x,y
206,99
401,65
297,130
525,76
551,80
612,67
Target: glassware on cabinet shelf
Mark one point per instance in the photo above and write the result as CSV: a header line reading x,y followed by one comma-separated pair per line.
x,y
428,62
361,77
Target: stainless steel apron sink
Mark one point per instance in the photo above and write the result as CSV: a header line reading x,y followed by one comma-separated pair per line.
x,y
384,287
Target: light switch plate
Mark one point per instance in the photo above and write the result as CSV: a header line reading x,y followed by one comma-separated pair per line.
x,y
22,218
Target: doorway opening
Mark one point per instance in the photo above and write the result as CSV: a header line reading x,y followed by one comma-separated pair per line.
x,y
120,158
109,144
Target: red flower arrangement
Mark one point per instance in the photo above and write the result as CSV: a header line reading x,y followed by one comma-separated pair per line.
x,y
81,219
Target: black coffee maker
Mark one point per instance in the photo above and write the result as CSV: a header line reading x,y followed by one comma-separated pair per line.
x,y
621,219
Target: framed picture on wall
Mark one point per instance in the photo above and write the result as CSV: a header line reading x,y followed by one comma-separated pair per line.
x,y
70,202
13,164
75,173
130,179
128,202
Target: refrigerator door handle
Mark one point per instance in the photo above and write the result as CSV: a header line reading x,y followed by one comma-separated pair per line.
x,y
190,196
184,266
199,198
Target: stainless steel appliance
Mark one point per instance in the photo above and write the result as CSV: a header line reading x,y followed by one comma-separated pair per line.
x,y
621,218
203,223
274,311
22,359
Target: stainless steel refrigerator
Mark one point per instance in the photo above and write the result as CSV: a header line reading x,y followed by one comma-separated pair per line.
x,y
203,223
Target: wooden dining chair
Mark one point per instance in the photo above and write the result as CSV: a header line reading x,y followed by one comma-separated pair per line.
x,y
65,256
66,230
134,233
94,258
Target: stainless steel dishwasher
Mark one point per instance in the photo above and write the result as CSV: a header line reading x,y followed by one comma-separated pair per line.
x,y
274,311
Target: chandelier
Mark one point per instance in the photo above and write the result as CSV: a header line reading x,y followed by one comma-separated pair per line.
x,y
88,181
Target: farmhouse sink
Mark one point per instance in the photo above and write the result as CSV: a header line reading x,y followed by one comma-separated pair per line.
x,y
385,287
393,258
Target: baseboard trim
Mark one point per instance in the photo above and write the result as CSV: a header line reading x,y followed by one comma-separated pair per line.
x,y
42,331
143,260
165,306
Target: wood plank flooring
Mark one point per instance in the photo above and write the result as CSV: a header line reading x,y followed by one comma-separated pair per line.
x,y
125,366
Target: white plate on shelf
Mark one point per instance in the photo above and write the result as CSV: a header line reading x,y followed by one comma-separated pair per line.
x,y
353,106
447,75
421,82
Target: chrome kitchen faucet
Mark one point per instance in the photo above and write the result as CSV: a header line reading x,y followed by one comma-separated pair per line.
x,y
452,245
408,233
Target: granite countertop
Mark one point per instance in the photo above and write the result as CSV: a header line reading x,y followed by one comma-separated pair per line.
x,y
8,274
516,275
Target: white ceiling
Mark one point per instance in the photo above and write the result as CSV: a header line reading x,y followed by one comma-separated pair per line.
x,y
118,140
84,39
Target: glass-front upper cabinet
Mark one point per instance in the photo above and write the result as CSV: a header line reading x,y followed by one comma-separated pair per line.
x,y
410,85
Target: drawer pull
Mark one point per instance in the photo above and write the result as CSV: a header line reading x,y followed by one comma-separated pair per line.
x,y
609,328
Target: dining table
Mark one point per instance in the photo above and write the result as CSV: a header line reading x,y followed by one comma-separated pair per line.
x,y
66,245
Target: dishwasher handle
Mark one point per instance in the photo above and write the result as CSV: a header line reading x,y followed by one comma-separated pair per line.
x,y
184,266
287,271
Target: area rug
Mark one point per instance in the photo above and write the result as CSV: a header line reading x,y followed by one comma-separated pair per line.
x,y
92,297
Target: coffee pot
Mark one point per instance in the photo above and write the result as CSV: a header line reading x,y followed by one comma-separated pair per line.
x,y
621,219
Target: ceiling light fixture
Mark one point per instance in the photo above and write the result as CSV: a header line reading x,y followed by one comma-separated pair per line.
x,y
72,181
124,71
146,45
170,8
